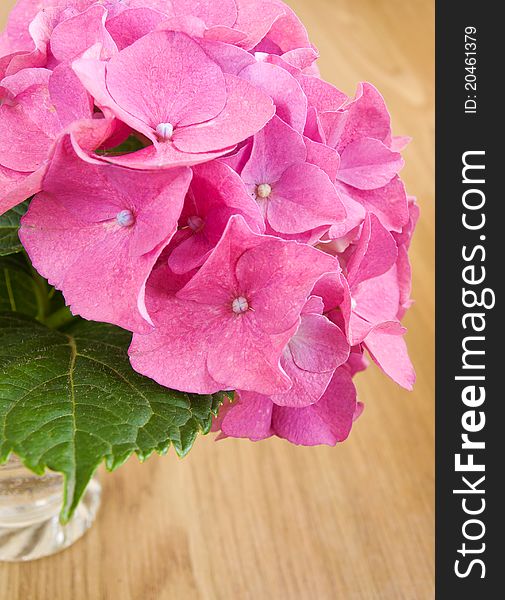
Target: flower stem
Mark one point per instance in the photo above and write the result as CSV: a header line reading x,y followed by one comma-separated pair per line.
x,y
41,290
61,317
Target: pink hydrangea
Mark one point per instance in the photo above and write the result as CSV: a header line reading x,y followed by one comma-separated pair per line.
x,y
198,183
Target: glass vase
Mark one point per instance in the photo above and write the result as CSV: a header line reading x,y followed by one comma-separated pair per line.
x,y
29,513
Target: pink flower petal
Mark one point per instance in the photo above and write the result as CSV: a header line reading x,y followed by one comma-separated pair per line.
x,y
175,353
300,58
377,299
235,347
318,345
247,110
365,116
75,35
44,105
165,77
237,159
400,142
288,32
16,34
285,91
355,215
28,126
17,187
91,235
92,74
191,26
388,203
249,417
69,98
322,95
368,164
162,157
404,276
330,289
276,147
388,349
310,359
313,127
216,194
231,59
254,19
329,421
212,13
324,157
292,206
20,54
375,253
130,25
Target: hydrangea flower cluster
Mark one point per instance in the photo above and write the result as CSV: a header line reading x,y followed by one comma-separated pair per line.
x,y
196,182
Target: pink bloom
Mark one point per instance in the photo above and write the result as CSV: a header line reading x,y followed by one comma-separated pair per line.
x,y
368,164
328,421
255,19
371,308
404,271
58,33
311,357
244,23
299,61
367,175
294,195
130,25
17,187
388,349
285,91
322,96
229,325
17,35
364,117
323,156
36,107
73,36
92,236
166,87
275,264
388,203
20,51
373,291
286,34
216,194
213,14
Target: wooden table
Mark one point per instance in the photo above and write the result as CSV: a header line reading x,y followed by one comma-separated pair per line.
x,y
270,521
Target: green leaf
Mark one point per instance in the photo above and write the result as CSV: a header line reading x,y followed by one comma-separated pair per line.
x,y
23,290
17,286
9,225
70,400
131,144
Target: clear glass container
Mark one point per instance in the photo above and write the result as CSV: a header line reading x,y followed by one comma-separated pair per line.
x,y
29,513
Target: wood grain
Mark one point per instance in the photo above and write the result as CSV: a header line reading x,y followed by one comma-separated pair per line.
x,y
238,520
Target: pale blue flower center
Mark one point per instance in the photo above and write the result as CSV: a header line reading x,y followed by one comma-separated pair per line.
x,y
240,305
125,218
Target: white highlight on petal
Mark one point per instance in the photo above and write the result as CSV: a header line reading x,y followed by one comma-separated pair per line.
x,y
165,131
263,190
240,305
125,218
196,223
353,304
